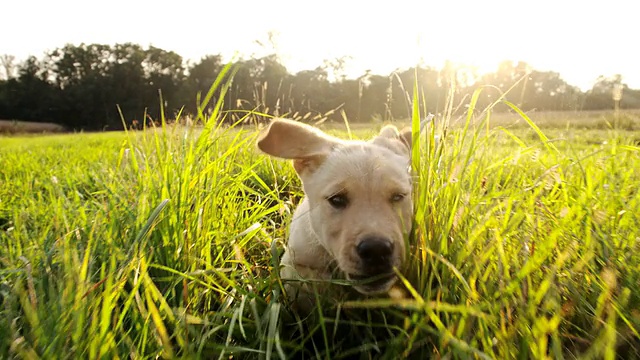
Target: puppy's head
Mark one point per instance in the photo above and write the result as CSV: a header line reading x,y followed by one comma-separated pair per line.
x,y
359,195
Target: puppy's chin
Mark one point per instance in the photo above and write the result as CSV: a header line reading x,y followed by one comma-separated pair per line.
x,y
377,284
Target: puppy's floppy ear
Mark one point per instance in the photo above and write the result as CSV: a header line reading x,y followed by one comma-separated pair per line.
x,y
394,140
399,142
304,144
406,136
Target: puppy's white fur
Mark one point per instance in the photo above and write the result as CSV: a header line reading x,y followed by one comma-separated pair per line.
x,y
373,182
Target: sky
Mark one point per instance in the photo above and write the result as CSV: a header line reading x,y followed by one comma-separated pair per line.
x,y
578,39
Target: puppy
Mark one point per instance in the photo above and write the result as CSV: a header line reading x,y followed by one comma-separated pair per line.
x,y
356,213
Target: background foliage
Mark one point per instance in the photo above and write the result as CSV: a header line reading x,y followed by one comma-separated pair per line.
x,y
82,86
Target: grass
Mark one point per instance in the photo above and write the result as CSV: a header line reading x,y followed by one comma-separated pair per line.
x,y
164,243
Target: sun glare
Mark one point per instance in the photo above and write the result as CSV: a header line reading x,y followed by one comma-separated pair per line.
x,y
580,41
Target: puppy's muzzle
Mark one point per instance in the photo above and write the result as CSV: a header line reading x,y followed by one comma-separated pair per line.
x,y
377,261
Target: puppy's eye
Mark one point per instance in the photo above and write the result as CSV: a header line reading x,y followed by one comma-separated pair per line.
x,y
338,201
397,197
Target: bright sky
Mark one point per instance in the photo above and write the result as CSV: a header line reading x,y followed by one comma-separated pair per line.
x,y
578,39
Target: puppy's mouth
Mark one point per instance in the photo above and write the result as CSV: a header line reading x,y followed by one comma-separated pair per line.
x,y
373,284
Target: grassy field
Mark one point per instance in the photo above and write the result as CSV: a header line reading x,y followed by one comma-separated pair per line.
x,y
526,244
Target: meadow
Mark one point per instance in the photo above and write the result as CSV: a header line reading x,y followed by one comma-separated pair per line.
x,y
165,243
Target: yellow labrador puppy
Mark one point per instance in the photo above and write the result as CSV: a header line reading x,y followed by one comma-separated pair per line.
x,y
357,208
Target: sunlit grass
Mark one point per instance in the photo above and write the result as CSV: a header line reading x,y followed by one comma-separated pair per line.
x,y
163,243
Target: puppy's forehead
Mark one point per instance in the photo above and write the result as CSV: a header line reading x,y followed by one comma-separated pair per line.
x,y
364,163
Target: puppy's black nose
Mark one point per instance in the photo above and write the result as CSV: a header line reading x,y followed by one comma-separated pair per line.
x,y
374,250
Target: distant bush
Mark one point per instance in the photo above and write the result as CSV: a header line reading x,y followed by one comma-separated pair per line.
x,y
27,127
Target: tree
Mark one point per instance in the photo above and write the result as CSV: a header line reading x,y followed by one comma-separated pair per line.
x,y
548,91
7,62
375,97
164,72
600,96
428,81
308,92
99,82
29,96
198,82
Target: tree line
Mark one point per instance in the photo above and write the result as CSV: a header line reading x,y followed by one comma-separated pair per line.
x,y
96,86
